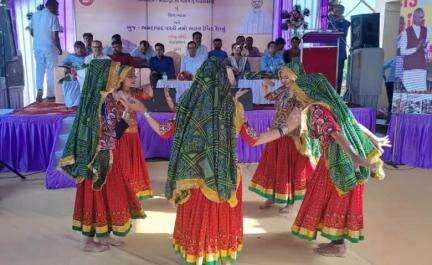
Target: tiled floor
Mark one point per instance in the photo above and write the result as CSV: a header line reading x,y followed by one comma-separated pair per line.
x,y
35,225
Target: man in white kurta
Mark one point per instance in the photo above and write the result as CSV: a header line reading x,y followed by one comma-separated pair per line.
x,y
192,61
44,27
413,46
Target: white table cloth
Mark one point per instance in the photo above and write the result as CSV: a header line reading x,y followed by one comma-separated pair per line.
x,y
180,86
256,85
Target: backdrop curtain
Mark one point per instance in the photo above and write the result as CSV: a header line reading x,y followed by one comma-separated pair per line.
x,y
322,13
279,6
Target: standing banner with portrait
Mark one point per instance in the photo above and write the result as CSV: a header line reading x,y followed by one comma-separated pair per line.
x,y
172,22
413,62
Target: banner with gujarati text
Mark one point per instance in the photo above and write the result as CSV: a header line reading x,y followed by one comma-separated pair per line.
x,y
172,22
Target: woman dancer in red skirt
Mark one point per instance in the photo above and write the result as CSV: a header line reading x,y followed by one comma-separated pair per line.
x,y
333,203
282,171
209,221
111,208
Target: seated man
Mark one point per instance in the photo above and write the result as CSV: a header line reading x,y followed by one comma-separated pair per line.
x,y
217,52
88,39
241,40
121,57
96,53
272,60
160,65
72,82
202,50
252,50
127,47
191,61
144,52
294,53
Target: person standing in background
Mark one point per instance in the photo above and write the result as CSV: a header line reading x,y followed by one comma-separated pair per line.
x,y
88,39
389,82
45,27
399,57
337,22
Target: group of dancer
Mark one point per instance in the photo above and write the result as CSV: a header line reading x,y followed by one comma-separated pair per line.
x,y
316,151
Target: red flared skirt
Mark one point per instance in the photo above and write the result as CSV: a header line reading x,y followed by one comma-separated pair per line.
x,y
208,232
323,209
112,208
282,172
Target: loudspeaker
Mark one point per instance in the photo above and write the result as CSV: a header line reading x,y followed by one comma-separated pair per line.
x,y
246,100
15,72
365,31
365,76
158,102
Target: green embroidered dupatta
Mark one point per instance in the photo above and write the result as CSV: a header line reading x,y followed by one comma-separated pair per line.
x,y
204,151
343,174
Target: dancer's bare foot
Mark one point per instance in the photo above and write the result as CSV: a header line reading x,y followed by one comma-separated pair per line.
x,y
109,241
91,246
286,209
324,245
332,250
267,204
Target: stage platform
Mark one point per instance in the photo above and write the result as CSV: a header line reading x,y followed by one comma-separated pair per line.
x,y
411,137
30,142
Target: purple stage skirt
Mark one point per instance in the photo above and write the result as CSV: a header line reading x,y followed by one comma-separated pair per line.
x,y
411,137
27,141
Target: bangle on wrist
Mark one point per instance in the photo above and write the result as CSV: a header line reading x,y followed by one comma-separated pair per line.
x,y
146,114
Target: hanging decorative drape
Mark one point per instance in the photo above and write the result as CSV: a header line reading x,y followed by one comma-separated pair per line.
x,y
322,13
280,5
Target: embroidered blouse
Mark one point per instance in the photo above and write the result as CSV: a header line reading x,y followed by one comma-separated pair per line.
x,y
322,124
285,102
